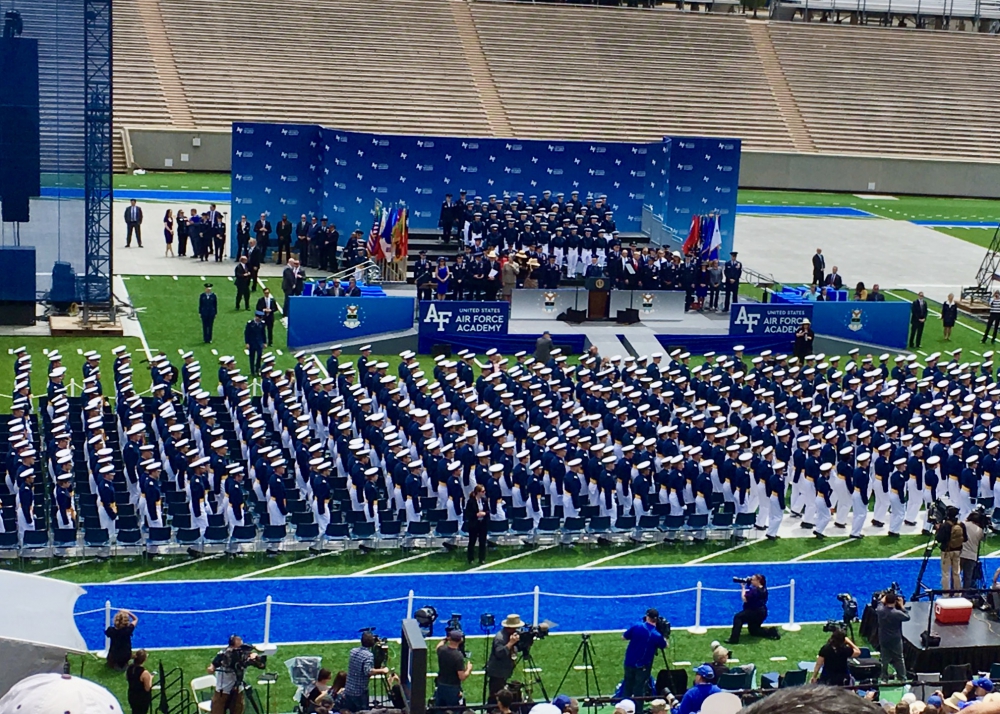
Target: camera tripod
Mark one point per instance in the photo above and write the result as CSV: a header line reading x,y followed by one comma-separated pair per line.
x,y
586,649
487,649
919,589
531,674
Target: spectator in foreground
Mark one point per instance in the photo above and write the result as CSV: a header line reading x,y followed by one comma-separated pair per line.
x,y
814,700
140,684
949,315
831,662
120,640
704,687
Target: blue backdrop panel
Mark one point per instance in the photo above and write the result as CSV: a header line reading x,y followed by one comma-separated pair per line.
x,y
420,170
321,320
704,174
752,319
657,185
481,319
18,283
880,323
277,168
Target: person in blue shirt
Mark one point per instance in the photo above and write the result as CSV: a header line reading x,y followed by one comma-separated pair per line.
x,y
704,687
643,642
754,611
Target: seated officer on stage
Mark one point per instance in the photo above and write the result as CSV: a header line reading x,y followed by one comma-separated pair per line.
x,y
551,275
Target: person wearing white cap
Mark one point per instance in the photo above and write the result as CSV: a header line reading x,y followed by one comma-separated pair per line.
x,y
860,492
775,490
494,494
64,511
25,503
277,505
107,509
535,492
199,489
823,501
897,496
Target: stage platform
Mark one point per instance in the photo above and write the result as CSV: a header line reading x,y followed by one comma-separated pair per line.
x,y
74,327
977,643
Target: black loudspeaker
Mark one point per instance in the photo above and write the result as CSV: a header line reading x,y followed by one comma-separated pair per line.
x,y
574,317
628,316
442,349
20,151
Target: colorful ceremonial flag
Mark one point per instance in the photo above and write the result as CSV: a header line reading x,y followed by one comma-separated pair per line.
x,y
693,242
707,229
385,239
374,244
716,241
401,236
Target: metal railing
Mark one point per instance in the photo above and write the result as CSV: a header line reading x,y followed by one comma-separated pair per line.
x,y
369,270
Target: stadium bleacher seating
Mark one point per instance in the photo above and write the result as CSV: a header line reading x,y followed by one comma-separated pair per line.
x,y
460,68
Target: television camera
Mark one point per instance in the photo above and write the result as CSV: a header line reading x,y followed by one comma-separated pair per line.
x,y
379,650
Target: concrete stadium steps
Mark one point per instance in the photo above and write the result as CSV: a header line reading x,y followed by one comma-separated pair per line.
x,y
397,67
583,72
892,92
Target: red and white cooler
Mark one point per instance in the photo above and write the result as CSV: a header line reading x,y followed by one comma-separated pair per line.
x,y
952,611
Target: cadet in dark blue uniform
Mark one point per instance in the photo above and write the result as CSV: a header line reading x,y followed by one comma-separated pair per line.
x,y
208,308
732,272
255,338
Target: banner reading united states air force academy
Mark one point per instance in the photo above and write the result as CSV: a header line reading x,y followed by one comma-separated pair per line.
x,y
465,318
767,318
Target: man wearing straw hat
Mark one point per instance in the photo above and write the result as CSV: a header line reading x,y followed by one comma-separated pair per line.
x,y
503,654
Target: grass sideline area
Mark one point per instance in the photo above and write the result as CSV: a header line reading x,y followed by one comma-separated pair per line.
x,y
553,655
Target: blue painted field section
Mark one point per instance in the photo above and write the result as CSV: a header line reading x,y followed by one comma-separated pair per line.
x,y
199,613
815,211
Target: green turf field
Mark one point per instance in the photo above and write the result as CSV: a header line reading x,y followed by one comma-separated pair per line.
x,y
174,181
553,655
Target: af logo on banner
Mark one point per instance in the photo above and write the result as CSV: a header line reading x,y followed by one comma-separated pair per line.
x,y
767,318
465,318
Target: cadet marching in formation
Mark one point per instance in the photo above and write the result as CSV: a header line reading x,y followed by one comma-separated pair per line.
x,y
816,440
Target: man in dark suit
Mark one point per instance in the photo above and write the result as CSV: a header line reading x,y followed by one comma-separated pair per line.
x,y
267,306
335,289
242,236
284,231
875,295
218,230
208,308
302,239
254,337
254,258
352,289
290,281
918,316
477,522
833,280
262,230
133,219
819,267
241,277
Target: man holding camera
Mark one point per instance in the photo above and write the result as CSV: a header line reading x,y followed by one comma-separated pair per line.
x,y
644,640
951,537
891,616
228,667
503,654
453,669
360,668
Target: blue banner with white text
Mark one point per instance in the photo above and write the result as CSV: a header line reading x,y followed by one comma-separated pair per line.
x,y
757,319
448,317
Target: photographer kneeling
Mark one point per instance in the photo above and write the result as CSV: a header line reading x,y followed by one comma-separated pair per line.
x,y
644,639
229,667
753,591
503,654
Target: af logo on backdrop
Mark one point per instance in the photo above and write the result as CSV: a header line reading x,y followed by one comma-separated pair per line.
x,y
767,318
467,318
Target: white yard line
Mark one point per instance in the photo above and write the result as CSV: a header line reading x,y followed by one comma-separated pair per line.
x,y
512,557
994,554
132,328
703,558
72,564
376,568
811,553
247,576
129,578
606,558
908,551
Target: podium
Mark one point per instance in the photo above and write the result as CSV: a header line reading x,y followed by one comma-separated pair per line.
x,y
598,298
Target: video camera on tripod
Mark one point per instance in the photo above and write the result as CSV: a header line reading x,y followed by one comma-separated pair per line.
x,y
236,659
528,634
379,650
